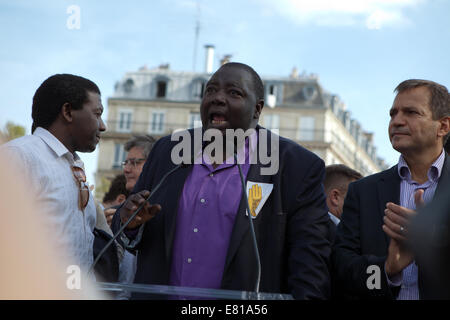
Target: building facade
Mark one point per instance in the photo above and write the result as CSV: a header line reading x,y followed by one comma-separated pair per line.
x,y
159,101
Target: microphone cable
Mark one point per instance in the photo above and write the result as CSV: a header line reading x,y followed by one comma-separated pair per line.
x,y
131,218
252,229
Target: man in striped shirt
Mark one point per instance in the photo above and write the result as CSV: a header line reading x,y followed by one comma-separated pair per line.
x,y
371,255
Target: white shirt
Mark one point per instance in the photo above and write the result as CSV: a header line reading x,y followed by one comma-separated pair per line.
x,y
333,218
408,278
46,164
127,271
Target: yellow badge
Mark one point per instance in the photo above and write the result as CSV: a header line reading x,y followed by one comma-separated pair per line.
x,y
254,198
257,193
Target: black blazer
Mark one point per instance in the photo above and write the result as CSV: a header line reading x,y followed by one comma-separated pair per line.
x,y
360,240
291,229
430,241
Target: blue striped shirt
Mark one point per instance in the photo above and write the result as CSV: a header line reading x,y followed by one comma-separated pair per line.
x,y
409,277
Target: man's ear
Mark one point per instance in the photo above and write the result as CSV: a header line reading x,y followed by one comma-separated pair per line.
x,y
334,197
444,126
258,109
121,198
66,112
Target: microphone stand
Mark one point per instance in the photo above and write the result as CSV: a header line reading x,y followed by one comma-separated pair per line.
x,y
252,229
131,218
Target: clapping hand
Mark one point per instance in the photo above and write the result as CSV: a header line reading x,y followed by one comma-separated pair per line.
x,y
396,223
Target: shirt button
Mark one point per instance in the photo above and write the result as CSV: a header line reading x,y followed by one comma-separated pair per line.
x,y
202,200
211,174
189,260
195,230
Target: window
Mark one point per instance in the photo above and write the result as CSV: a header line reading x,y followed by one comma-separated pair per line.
x,y
309,92
161,87
272,89
119,155
199,88
272,122
271,99
195,120
306,128
128,85
125,118
157,122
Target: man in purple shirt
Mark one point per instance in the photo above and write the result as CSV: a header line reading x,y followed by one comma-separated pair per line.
x,y
371,255
194,231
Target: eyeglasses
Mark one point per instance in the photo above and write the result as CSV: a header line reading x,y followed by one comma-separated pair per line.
x,y
80,178
133,162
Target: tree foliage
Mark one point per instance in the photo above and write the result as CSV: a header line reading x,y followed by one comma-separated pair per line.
x,y
12,131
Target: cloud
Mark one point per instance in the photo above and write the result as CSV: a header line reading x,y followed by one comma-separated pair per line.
x,y
381,18
188,4
374,14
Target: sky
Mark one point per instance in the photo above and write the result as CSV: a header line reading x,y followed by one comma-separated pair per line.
x,y
360,49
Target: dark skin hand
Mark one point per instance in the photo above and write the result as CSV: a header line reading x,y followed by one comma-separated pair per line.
x,y
396,222
132,204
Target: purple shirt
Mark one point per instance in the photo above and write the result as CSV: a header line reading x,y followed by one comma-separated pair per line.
x,y
206,213
408,279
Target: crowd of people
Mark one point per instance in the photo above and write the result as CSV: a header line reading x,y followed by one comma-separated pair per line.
x,y
317,232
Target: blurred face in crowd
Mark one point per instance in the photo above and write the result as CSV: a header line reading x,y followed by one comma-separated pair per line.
x,y
134,164
336,196
118,201
341,198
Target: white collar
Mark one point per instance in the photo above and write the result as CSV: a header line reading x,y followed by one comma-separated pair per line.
x,y
54,144
333,218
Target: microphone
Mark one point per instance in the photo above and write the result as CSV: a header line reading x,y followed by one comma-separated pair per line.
x,y
252,229
133,216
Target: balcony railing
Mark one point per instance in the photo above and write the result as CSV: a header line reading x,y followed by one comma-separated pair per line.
x,y
297,134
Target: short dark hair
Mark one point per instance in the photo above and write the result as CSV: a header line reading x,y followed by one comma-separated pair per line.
x,y
439,95
116,188
338,176
54,92
257,82
144,142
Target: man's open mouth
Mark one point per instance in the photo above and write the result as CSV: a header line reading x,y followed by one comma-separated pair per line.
x,y
218,119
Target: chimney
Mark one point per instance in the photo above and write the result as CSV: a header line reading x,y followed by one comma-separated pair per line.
x,y
209,58
226,58
294,73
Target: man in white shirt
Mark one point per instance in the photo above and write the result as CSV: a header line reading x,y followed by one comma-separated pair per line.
x,y
66,116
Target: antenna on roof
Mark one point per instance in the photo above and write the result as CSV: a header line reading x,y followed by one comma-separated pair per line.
x,y
197,32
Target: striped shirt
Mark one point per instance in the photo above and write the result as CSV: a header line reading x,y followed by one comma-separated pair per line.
x,y
46,167
409,277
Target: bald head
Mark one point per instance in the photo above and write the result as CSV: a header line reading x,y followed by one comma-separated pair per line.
x,y
256,79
